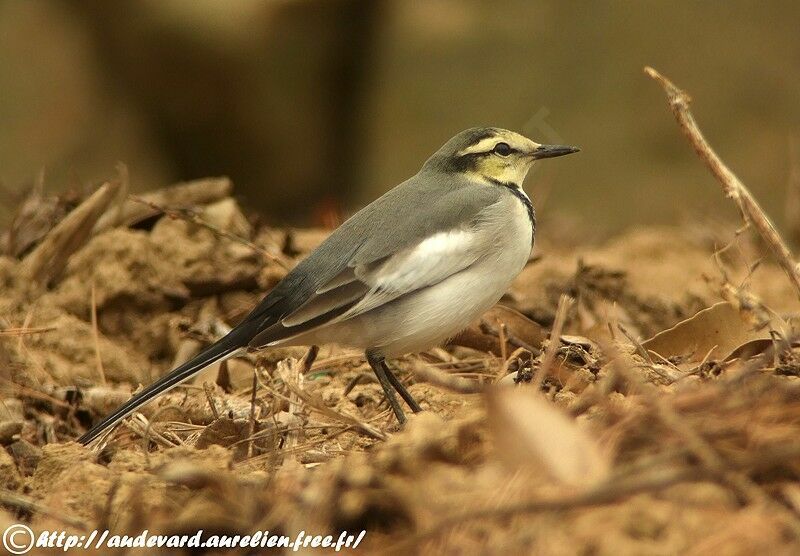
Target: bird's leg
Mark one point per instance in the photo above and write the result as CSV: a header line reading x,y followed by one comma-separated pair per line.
x,y
405,394
378,364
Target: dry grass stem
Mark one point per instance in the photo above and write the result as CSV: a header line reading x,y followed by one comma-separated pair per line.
x,y
253,416
208,389
502,336
288,370
26,331
564,304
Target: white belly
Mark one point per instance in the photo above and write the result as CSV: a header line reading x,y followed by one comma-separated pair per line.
x,y
425,318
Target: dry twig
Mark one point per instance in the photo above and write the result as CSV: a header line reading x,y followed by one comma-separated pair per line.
x,y
792,210
501,326
731,185
515,341
252,425
207,388
516,356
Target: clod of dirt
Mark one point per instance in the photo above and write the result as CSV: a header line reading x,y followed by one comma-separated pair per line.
x,y
57,459
67,353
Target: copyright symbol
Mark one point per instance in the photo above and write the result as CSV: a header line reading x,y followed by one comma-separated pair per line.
x,y
18,538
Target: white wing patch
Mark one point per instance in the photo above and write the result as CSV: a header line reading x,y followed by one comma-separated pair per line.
x,y
428,263
372,285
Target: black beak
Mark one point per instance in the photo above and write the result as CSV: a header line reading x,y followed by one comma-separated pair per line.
x,y
551,151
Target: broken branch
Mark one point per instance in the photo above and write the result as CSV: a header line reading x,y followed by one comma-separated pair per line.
x,y
733,187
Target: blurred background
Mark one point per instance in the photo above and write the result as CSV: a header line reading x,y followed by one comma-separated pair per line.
x,y
315,107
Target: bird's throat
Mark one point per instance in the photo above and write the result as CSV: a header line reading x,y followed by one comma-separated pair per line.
x,y
520,194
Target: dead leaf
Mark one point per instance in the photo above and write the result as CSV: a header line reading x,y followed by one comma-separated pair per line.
x,y
749,349
529,430
222,431
711,333
226,432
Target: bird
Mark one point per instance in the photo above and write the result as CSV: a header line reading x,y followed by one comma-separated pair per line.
x,y
403,274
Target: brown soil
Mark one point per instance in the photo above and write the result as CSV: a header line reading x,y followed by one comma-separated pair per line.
x,y
685,444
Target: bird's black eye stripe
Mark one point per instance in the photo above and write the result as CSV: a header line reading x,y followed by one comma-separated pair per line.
x,y
503,149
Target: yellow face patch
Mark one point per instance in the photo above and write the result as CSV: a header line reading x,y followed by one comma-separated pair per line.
x,y
489,163
510,170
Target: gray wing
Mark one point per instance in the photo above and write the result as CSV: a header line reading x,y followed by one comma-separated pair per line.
x,y
414,236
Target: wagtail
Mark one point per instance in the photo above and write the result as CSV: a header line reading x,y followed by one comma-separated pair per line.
x,y
403,274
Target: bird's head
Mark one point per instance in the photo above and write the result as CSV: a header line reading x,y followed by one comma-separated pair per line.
x,y
492,154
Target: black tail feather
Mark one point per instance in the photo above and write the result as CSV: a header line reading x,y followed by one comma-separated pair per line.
x,y
225,347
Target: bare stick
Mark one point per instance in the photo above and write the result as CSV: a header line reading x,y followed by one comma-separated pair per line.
x,y
792,210
210,397
116,213
314,402
501,326
515,356
731,185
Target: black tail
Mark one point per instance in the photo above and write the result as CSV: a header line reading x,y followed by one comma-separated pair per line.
x,y
225,347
